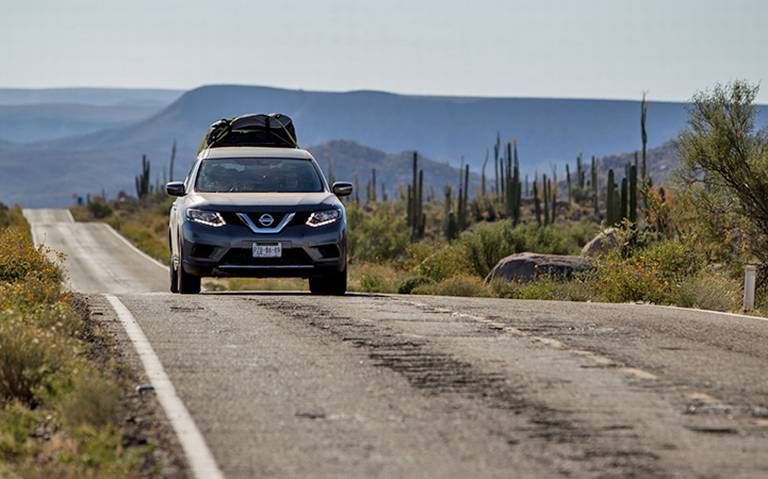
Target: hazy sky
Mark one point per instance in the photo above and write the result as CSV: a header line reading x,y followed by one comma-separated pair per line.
x,y
568,48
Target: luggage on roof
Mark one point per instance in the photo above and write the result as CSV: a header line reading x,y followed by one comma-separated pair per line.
x,y
274,129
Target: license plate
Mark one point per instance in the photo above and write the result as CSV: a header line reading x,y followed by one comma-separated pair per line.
x,y
267,250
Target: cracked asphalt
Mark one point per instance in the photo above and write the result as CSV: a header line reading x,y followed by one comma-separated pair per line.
x,y
293,385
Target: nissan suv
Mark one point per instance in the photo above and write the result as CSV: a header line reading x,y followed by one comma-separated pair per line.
x,y
258,212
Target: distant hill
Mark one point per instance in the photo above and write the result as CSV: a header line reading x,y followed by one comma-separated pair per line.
x,y
32,123
549,132
89,96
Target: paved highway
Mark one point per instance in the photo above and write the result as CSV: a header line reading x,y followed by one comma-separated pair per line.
x,y
292,385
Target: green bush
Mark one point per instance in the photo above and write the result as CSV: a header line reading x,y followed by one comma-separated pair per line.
x,y
408,284
377,236
652,274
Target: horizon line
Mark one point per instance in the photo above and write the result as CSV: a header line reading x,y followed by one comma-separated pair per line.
x,y
358,90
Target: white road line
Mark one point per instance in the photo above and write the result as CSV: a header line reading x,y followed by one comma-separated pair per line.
x,y
134,248
200,459
721,313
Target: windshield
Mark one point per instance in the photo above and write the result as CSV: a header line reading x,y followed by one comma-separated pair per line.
x,y
258,175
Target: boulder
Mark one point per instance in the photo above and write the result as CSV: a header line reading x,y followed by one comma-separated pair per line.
x,y
525,267
603,243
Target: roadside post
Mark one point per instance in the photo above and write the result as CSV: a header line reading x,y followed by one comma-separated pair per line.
x,y
750,272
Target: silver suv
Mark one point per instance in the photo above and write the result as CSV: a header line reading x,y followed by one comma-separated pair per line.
x,y
258,212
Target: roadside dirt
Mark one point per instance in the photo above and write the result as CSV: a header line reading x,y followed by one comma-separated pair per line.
x,y
144,422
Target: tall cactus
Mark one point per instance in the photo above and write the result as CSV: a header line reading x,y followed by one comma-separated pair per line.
x,y
580,174
517,197
142,180
373,185
415,207
421,217
632,194
536,201
330,171
482,176
570,186
624,205
595,181
610,193
644,135
463,199
545,194
502,182
553,216
449,219
172,162
496,178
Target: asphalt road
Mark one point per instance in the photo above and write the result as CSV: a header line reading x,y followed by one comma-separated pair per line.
x,y
292,385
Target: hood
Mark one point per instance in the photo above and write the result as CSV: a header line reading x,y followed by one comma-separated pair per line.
x,y
262,201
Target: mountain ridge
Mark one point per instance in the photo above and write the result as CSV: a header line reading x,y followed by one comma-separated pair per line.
x,y
548,131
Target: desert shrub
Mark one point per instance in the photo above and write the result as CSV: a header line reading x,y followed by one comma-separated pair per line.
x,y
27,356
381,235
417,252
715,291
45,377
12,217
447,261
19,258
653,274
17,423
407,285
579,288
460,285
93,401
374,278
99,209
487,243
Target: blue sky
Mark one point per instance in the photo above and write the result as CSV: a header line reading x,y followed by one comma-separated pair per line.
x,y
587,48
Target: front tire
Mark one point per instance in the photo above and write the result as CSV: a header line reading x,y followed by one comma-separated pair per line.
x,y
174,278
329,284
188,283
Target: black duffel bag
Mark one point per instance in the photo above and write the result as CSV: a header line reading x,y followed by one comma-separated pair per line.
x,y
274,129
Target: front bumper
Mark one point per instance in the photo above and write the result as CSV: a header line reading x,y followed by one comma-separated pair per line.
x,y
226,251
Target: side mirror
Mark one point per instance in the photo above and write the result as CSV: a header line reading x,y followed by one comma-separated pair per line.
x,y
175,188
342,188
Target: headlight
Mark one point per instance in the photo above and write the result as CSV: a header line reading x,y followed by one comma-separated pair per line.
x,y
210,218
321,218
